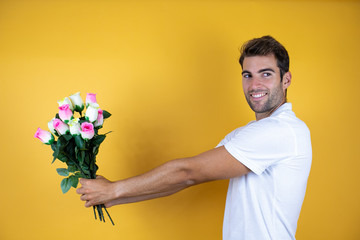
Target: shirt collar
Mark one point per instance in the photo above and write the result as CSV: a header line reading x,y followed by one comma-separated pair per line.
x,y
285,107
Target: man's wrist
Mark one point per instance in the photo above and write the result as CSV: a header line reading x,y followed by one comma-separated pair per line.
x,y
116,192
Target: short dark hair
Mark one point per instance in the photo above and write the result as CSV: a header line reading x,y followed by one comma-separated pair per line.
x,y
264,46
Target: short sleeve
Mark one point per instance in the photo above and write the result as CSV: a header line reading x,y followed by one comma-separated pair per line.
x,y
262,144
229,137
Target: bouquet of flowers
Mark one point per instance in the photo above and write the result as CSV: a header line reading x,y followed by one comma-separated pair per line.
x,y
77,142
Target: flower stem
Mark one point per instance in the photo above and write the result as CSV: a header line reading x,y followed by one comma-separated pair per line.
x,y
108,215
101,217
94,212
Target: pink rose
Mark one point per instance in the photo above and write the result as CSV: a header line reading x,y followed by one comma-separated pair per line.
x,y
44,136
87,131
61,127
90,98
100,119
65,113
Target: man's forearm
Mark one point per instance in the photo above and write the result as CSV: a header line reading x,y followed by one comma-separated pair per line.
x,y
119,201
164,180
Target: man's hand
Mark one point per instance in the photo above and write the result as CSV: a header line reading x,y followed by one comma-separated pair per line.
x,y
96,191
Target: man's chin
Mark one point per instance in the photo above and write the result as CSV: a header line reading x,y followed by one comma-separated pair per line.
x,y
257,108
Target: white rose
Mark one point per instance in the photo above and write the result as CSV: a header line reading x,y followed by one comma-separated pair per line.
x,y
92,112
77,102
74,126
64,101
51,126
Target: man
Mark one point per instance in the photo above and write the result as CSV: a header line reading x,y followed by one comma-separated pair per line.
x,y
267,161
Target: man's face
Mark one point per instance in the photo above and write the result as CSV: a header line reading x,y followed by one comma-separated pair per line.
x,y
262,87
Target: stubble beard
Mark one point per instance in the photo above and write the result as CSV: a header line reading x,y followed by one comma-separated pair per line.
x,y
274,100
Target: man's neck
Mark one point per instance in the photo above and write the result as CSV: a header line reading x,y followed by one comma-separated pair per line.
x,y
260,116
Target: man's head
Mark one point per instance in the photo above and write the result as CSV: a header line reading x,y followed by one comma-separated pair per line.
x,y
264,46
265,75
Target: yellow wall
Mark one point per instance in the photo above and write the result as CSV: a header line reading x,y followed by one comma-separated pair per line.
x,y
168,72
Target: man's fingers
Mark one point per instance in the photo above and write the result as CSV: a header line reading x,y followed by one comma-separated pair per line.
x,y
88,204
80,190
84,197
83,181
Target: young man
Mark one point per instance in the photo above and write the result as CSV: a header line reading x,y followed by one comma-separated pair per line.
x,y
267,161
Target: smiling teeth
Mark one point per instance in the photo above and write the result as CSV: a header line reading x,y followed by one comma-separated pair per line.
x,y
258,95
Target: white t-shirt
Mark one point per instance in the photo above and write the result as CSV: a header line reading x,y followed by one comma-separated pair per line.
x,y
266,203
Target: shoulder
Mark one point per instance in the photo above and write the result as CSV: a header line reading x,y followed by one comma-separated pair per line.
x,y
268,127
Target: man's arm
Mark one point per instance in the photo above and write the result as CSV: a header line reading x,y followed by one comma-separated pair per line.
x,y
164,180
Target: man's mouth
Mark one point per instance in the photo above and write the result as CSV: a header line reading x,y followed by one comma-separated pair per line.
x,y
258,95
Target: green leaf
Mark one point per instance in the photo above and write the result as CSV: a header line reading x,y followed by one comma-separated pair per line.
x,y
70,149
96,130
106,114
80,143
65,185
80,156
54,146
73,181
61,143
98,139
79,175
62,157
96,150
93,167
86,169
72,168
62,172
67,137
55,155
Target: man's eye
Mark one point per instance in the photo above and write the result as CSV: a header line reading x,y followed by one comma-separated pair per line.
x,y
246,76
266,74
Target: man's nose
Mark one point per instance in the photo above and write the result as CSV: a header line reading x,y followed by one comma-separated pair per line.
x,y
255,83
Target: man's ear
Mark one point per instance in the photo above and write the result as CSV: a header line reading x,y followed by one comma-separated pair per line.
x,y
286,80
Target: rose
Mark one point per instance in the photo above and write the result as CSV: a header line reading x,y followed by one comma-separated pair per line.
x,y
87,130
64,101
61,127
90,98
74,126
91,113
44,136
77,101
51,127
65,113
100,119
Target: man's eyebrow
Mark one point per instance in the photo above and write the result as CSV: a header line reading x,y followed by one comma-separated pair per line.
x,y
266,69
260,71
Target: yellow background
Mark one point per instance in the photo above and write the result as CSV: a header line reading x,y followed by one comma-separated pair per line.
x,y
168,72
